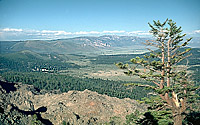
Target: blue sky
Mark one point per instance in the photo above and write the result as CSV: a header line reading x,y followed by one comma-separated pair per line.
x,y
52,19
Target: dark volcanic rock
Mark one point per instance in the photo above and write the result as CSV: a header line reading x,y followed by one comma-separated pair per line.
x,y
27,103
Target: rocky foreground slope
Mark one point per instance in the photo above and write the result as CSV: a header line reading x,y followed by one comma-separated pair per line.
x,y
24,104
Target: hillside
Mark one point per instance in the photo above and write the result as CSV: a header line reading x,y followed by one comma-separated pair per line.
x,y
81,45
31,61
25,104
71,45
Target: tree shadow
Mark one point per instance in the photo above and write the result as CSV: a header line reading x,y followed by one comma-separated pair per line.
x,y
41,109
36,112
1,110
148,119
192,118
8,86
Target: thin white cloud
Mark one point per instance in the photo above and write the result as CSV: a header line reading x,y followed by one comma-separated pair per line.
x,y
197,31
56,33
140,33
94,32
86,33
11,30
25,34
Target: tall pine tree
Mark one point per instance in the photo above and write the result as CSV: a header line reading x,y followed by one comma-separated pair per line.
x,y
171,82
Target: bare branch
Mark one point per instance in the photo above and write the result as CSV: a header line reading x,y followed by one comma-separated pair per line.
x,y
156,83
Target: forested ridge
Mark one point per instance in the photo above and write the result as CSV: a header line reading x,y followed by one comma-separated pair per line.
x,y
65,83
27,61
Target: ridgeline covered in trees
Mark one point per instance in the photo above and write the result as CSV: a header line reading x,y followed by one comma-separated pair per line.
x,y
64,83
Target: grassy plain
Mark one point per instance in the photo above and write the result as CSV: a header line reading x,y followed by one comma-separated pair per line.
x,y
103,65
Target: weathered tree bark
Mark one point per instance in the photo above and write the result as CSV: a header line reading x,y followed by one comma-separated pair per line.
x,y
178,118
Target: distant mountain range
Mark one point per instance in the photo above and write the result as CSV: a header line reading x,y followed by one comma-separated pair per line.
x,y
71,45
78,44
